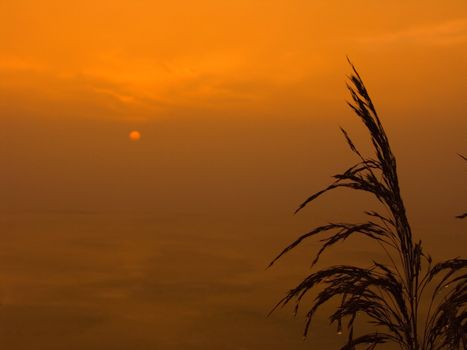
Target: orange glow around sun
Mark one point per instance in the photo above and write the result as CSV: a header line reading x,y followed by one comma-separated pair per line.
x,y
135,135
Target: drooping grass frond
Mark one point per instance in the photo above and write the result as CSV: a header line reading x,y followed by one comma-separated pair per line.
x,y
389,295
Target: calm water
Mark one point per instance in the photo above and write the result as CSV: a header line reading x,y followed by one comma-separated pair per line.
x,y
72,280
138,281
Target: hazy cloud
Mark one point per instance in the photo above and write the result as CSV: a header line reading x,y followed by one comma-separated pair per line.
x,y
446,33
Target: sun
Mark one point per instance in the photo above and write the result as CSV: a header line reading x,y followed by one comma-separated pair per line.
x,y
134,135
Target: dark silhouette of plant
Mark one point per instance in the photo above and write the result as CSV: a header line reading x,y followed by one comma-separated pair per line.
x,y
390,295
464,215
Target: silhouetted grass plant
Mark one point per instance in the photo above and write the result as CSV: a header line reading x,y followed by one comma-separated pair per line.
x,y
390,295
464,215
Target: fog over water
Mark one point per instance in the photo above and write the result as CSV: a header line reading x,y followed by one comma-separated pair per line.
x,y
164,244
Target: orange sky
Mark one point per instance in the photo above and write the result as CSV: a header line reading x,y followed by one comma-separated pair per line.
x,y
139,60
223,78
238,104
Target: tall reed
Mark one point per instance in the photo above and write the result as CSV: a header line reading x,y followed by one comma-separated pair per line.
x,y
464,215
390,295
